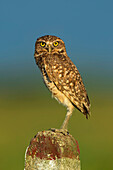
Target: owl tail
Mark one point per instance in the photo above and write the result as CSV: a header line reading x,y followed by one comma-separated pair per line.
x,y
86,111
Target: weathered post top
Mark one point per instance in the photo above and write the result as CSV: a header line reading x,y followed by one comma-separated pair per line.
x,y
54,149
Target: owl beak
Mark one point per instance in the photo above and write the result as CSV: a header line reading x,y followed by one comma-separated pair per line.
x,y
49,48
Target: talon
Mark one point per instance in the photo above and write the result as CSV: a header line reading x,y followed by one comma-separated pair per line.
x,y
52,129
67,133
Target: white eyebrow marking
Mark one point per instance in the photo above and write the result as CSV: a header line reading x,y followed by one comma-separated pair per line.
x,y
48,42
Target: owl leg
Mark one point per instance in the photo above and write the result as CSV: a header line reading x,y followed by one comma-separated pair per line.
x,y
65,123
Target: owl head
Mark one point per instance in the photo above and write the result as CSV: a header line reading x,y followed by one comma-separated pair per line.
x,y
49,44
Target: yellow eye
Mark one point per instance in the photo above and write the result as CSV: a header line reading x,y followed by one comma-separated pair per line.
x,y
55,44
43,44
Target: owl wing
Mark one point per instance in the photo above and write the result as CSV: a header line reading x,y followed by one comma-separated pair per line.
x,y
67,79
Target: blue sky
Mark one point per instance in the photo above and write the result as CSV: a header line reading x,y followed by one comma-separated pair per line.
x,y
85,26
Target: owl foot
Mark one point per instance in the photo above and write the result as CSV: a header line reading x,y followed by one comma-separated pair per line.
x,y
63,131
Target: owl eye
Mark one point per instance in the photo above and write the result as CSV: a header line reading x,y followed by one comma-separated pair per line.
x,y
55,44
42,44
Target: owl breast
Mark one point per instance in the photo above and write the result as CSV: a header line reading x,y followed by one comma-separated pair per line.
x,y
56,93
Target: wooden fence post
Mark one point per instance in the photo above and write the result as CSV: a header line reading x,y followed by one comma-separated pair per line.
x,y
54,149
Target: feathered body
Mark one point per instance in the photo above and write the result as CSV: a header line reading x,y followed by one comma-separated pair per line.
x,y
61,75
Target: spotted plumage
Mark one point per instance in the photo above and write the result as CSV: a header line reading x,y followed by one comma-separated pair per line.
x,y
61,75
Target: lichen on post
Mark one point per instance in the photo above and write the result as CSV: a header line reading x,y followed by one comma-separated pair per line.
x,y
54,149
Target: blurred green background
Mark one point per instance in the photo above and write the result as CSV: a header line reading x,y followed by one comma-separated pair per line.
x,y
26,106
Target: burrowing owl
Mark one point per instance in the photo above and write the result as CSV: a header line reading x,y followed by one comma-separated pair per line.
x,y
61,75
